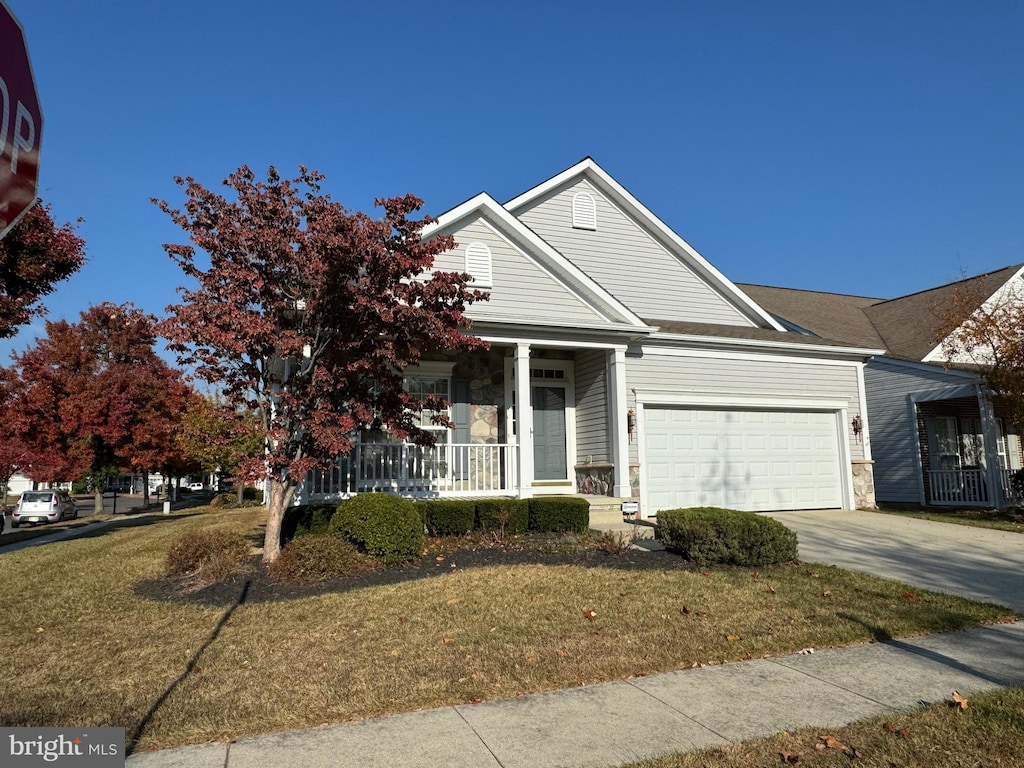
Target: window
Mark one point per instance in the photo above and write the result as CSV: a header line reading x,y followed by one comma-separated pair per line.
x,y
946,442
584,211
478,264
430,386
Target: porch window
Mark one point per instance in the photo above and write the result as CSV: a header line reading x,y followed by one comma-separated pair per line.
x,y
430,386
946,440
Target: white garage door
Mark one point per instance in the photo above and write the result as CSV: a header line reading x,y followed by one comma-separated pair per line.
x,y
741,459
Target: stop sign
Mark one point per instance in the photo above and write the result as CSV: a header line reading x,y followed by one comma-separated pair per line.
x,y
21,124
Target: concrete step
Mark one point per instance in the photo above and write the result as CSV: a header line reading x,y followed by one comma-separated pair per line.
x,y
639,536
605,510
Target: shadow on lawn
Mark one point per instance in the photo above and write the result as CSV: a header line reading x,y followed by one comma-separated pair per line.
x,y
144,722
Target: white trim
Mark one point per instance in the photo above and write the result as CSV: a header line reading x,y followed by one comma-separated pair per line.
x,y
615,368
439,368
750,356
544,341
931,367
587,166
485,204
862,399
518,324
912,405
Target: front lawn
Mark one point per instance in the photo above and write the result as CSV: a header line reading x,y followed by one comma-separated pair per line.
x,y
989,733
83,647
1005,520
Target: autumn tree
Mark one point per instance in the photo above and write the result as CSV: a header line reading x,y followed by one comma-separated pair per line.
x,y
34,255
223,439
308,314
95,399
986,334
13,454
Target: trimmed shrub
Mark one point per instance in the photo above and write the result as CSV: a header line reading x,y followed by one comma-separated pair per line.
x,y
448,517
556,514
211,555
252,494
318,557
222,500
388,528
306,519
503,515
709,535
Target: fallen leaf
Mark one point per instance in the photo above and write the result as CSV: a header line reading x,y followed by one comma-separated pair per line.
x,y
910,595
394,651
446,639
439,558
960,701
39,629
770,588
590,613
685,611
827,593
756,575
560,652
732,638
805,651
833,743
789,758
695,665
401,620
819,747
705,573
454,600
531,659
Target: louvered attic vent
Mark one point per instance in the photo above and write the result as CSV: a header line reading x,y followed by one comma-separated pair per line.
x,y
478,264
584,211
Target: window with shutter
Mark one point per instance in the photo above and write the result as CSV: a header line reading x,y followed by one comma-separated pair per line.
x,y
584,211
478,264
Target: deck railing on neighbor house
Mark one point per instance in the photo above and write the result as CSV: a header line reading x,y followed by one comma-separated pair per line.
x,y
452,469
1009,492
964,487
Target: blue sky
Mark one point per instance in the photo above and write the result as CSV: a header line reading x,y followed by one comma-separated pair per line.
x,y
856,146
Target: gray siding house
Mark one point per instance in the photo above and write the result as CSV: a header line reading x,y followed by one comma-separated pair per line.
x,y
937,435
622,364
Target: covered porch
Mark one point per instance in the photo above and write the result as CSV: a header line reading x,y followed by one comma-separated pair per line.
x,y
969,453
530,417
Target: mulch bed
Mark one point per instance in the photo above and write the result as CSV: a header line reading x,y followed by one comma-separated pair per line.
x,y
442,556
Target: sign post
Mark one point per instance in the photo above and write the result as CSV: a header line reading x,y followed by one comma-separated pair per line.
x,y
21,124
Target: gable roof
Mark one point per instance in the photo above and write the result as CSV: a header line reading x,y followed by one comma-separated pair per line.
x,y
587,168
907,326
483,205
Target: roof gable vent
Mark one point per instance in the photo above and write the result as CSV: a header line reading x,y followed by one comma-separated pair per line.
x,y
478,264
584,211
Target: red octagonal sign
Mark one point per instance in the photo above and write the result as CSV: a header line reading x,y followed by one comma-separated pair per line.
x,y
21,124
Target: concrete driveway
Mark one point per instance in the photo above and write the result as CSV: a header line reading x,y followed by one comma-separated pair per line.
x,y
979,563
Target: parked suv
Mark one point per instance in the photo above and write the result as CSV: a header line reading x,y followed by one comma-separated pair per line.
x,y
43,507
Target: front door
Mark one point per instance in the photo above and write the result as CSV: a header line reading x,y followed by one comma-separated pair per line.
x,y
549,433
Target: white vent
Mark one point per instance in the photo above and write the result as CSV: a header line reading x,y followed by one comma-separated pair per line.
x,y
478,264
584,211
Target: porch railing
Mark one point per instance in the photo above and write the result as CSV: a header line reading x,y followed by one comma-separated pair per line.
x,y
1012,497
468,469
964,487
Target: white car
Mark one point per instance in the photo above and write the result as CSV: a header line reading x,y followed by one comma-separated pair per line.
x,y
43,507
196,487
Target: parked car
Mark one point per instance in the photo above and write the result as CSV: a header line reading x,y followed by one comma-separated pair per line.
x,y
196,487
43,507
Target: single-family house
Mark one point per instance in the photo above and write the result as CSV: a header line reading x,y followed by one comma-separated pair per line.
x,y
938,436
622,364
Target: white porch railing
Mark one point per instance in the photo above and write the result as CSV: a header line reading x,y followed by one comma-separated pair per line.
x,y
961,487
1012,497
452,469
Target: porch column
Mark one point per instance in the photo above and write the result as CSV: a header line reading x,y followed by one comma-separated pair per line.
x,y
619,433
989,437
524,421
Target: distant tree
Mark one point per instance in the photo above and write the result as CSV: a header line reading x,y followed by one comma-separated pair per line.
x,y
13,455
307,316
222,439
987,336
90,392
34,255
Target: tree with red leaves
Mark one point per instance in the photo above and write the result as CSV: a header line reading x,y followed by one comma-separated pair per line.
x,y
13,454
34,255
308,315
95,399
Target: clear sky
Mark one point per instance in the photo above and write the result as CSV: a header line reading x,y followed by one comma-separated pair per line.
x,y
849,145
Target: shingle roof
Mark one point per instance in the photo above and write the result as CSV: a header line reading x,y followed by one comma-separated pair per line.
x,y
746,332
907,326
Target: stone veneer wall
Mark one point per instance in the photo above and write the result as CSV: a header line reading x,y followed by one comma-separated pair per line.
x,y
596,478
485,372
864,484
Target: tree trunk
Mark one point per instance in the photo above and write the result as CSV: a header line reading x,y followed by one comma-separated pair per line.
x,y
281,494
97,499
241,491
145,488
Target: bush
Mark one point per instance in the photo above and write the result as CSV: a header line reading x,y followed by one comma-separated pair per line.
x,y
556,514
708,535
388,528
503,515
448,517
252,494
222,500
306,519
211,555
318,557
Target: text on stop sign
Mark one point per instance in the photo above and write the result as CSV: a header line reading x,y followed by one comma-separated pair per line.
x,y
23,135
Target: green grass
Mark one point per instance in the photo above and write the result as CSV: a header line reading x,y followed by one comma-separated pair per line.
x,y
82,649
1008,520
989,733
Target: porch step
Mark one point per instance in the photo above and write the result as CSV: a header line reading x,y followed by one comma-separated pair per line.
x,y
641,536
605,510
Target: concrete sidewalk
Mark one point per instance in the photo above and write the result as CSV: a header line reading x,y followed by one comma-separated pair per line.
x,y
614,723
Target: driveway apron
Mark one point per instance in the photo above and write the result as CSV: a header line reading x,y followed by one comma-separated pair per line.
x,y
978,563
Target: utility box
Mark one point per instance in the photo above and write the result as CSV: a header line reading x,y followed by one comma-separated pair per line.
x,y
167,507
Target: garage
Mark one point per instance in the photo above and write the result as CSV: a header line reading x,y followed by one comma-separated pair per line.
x,y
752,459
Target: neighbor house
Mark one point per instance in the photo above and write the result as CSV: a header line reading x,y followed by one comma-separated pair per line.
x,y
622,364
937,435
